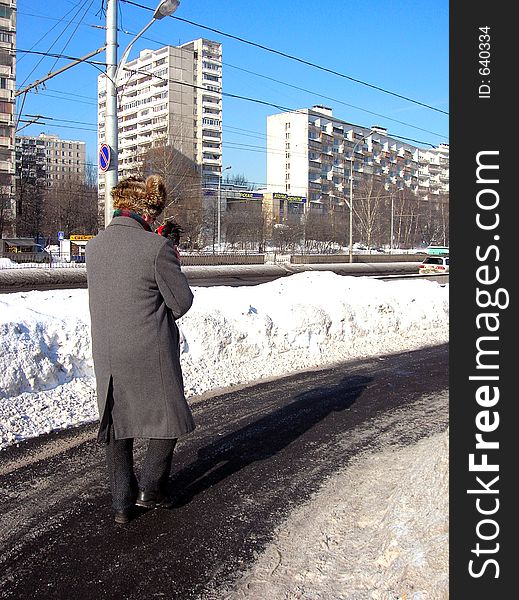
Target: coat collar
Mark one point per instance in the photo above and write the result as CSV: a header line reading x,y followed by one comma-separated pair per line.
x,y
122,212
126,222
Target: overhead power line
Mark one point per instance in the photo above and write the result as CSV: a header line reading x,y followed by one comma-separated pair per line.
x,y
295,58
283,108
286,84
230,95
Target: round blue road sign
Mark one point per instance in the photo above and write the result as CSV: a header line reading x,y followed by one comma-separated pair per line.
x,y
104,157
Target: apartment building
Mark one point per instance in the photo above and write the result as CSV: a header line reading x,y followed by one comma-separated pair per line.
x,y
311,154
434,172
207,78
48,160
7,103
171,96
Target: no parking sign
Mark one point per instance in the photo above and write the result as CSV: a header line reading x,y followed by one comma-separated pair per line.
x,y
104,157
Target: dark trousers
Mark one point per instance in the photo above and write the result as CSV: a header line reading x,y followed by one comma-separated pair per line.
x,y
155,468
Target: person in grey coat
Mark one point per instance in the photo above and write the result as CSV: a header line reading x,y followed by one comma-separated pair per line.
x,y
136,293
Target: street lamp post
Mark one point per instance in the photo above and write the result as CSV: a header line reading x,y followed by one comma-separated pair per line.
x,y
165,8
219,211
351,189
392,226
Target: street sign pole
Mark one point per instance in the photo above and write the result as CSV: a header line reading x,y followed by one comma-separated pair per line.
x,y
111,105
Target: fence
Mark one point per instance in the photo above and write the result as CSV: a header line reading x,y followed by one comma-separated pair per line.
x,y
309,259
11,260
26,260
54,260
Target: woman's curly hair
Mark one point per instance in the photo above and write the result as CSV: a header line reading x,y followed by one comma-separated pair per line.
x,y
143,196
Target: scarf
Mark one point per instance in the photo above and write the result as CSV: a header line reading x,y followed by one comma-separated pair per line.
x,y
123,212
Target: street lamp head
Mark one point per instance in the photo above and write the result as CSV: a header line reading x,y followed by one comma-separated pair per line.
x,y
166,8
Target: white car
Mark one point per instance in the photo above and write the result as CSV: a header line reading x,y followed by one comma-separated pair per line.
x,y
434,265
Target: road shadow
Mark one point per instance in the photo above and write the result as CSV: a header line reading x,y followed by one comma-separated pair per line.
x,y
263,438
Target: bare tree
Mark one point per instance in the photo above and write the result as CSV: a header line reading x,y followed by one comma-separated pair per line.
x,y
29,208
6,214
245,225
368,209
70,206
287,236
184,187
239,179
434,222
318,232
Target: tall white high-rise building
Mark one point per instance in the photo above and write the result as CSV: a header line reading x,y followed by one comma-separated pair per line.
x,y
311,154
170,96
7,103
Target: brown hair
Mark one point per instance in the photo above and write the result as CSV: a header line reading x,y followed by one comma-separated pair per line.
x,y
144,196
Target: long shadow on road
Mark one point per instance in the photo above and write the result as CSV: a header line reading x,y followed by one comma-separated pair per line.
x,y
263,438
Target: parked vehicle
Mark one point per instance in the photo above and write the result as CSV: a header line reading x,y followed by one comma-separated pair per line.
x,y
23,250
434,264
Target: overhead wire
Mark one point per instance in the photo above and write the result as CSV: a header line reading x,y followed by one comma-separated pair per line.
x,y
227,94
298,87
236,96
73,32
53,43
59,20
293,57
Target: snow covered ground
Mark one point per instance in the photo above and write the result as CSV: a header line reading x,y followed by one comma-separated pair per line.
x,y
386,538
376,531
231,335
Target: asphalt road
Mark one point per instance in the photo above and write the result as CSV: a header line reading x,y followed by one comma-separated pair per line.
x,y
24,280
257,453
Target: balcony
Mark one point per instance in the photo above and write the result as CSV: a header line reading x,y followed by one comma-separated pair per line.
x,y
211,162
211,149
211,135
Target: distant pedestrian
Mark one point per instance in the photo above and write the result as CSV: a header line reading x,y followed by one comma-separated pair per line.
x,y
136,293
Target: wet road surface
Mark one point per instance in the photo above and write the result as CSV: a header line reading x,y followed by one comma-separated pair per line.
x,y
257,453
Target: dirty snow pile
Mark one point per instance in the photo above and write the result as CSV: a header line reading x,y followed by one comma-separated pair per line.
x,y
231,335
378,530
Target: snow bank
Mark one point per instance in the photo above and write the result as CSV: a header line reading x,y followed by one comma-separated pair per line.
x,y
231,335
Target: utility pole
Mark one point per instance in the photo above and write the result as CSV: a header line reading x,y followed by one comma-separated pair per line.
x,y
165,8
111,133
392,222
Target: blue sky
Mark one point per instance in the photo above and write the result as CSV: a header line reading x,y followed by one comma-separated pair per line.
x,y
401,46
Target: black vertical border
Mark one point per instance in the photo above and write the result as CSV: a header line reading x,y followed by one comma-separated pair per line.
x,y
476,125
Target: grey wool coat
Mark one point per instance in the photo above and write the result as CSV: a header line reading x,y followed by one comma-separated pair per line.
x,y
136,292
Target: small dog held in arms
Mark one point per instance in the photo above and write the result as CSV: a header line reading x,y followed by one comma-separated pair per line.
x,y
172,231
